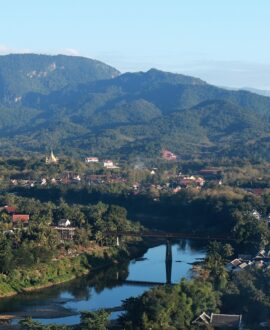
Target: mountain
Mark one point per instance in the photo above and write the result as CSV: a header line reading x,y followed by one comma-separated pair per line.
x,y
23,73
105,113
262,92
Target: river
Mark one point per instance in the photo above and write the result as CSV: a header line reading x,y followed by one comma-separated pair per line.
x,y
61,304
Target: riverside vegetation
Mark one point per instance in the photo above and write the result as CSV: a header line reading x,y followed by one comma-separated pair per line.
x,y
35,256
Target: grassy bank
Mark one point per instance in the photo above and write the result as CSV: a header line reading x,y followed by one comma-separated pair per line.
x,y
65,269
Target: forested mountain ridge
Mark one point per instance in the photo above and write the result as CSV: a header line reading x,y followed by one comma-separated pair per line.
x,y
103,112
23,73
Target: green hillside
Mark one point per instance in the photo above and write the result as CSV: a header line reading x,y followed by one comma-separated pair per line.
x,y
89,108
23,73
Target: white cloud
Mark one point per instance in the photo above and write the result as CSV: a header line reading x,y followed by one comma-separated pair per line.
x,y
69,51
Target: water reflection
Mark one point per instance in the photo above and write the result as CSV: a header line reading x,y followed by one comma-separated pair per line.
x,y
107,288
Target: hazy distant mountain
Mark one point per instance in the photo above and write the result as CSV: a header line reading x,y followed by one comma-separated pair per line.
x,y
257,91
102,112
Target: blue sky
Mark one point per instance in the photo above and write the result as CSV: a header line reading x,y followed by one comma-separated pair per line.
x,y
225,42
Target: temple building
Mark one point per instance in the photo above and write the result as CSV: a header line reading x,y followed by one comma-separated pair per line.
x,y
52,159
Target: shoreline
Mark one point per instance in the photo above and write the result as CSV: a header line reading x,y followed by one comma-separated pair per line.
x,y
134,250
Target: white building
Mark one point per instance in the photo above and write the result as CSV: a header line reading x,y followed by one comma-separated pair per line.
x,y
256,214
91,160
109,164
64,223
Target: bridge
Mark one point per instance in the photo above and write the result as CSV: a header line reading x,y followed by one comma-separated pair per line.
x,y
169,236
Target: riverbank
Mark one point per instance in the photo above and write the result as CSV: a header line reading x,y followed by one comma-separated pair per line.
x,y
106,288
68,268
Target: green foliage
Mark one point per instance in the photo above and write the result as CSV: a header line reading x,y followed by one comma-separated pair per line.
x,y
252,234
89,321
94,320
217,256
169,307
29,324
248,293
36,256
44,74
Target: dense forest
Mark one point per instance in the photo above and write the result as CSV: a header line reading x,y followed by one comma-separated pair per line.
x,y
79,107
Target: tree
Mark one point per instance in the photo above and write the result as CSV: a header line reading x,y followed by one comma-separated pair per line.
x,y
252,234
169,307
29,324
94,320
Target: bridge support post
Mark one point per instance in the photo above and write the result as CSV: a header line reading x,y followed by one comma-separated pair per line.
x,y
168,262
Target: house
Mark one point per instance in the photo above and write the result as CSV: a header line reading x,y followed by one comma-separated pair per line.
x,y
64,223
168,155
256,214
91,160
66,233
10,209
200,181
243,265
76,179
109,164
43,182
20,219
225,321
63,228
234,265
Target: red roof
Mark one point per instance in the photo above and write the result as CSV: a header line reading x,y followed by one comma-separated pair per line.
x,y
20,217
10,209
167,154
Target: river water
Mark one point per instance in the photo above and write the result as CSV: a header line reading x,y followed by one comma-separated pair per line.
x,y
106,288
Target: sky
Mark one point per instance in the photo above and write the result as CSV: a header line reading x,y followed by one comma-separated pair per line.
x,y
225,42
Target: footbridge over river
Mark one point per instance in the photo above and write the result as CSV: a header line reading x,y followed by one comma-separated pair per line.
x,y
169,237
